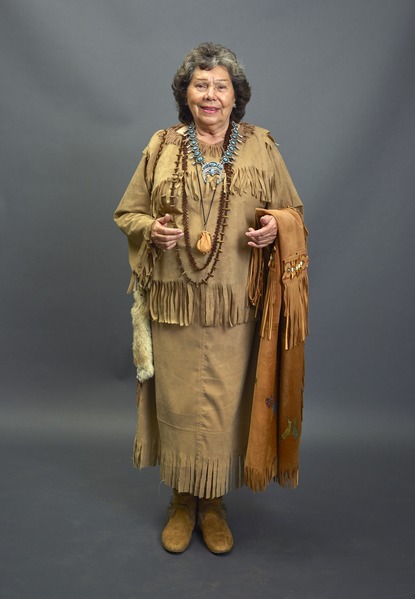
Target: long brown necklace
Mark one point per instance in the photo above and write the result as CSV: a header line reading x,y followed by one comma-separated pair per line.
x,y
218,237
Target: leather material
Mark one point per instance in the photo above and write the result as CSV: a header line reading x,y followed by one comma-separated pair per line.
x,y
177,533
212,522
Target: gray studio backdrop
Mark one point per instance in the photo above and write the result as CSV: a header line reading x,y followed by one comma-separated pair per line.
x,y
85,84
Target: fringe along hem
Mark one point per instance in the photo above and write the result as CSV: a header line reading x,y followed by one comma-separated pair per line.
x,y
258,480
288,479
203,477
209,478
178,302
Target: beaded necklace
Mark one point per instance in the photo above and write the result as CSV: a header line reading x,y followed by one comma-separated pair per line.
x,y
225,170
212,169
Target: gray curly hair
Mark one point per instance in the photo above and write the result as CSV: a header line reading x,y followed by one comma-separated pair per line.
x,y
207,56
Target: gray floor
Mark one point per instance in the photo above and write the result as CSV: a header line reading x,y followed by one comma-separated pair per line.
x,y
79,522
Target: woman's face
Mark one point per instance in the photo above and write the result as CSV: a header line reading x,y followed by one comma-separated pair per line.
x,y
210,98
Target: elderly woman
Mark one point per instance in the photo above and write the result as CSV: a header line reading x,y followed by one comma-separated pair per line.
x,y
189,215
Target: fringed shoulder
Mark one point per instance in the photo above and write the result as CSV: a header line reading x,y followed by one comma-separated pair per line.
x,y
172,136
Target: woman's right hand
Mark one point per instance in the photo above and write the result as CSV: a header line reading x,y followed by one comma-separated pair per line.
x,y
163,237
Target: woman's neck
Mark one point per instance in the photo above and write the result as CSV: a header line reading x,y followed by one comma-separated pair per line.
x,y
211,135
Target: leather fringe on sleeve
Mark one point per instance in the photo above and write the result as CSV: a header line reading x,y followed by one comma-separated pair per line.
x,y
278,287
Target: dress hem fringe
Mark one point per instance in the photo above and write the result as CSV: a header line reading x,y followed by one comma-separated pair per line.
x,y
203,477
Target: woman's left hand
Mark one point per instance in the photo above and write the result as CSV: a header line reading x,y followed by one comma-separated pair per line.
x,y
266,234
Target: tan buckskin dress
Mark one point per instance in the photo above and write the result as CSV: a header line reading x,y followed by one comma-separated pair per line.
x,y
193,415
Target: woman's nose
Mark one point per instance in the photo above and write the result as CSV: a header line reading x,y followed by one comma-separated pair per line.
x,y
210,92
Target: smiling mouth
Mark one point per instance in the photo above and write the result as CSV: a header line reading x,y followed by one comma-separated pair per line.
x,y
210,109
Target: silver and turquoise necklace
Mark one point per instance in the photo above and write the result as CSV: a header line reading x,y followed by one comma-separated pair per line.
x,y
213,168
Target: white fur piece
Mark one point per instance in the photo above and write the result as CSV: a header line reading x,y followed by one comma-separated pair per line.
x,y
142,342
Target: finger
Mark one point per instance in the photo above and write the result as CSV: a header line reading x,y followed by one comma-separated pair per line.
x,y
163,220
266,218
165,234
268,228
260,241
166,246
255,235
158,231
271,225
171,245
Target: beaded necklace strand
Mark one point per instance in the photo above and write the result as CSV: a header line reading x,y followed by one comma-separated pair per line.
x,y
211,169
221,222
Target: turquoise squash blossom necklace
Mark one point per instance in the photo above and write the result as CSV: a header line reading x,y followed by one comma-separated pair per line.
x,y
211,169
